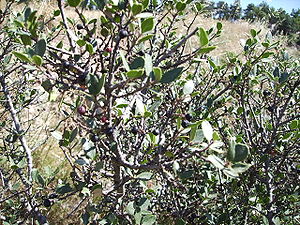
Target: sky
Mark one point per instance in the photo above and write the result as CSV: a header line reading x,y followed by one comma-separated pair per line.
x,y
287,5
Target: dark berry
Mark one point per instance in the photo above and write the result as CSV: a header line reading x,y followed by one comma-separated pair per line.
x,y
66,64
109,131
123,33
81,79
188,117
47,202
134,130
108,49
155,132
95,138
53,195
266,93
270,108
141,53
81,110
79,26
104,119
185,123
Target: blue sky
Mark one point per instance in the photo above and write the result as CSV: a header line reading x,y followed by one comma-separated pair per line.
x,y
287,5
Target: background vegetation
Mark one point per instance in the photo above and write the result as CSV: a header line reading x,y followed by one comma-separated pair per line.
x,y
142,113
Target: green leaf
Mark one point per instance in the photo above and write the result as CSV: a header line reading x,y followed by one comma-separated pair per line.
x,y
145,175
283,77
21,56
240,167
135,73
89,48
180,6
216,161
137,63
219,25
237,152
171,75
81,42
37,60
148,64
148,220
26,39
63,189
146,3
253,32
203,37
130,208
207,130
95,85
207,49
147,25
40,47
136,9
267,55
73,3
156,73
73,134
186,174
188,87
145,38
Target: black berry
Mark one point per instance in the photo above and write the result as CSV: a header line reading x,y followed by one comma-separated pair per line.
x,y
185,123
141,53
95,138
47,202
123,33
188,117
53,195
66,64
80,26
134,130
266,93
109,131
155,132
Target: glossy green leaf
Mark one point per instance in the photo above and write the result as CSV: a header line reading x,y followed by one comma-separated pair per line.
x,y
21,56
89,47
95,85
73,3
156,73
207,49
26,39
237,152
171,75
148,220
37,60
180,6
147,24
145,38
135,73
40,47
136,8
203,37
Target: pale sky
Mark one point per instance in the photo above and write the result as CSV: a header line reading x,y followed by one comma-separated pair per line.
x,y
287,5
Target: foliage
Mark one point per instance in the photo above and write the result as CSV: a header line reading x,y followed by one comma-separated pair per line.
x,y
154,132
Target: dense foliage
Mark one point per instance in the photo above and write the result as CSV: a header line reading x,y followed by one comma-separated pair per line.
x,y
153,131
